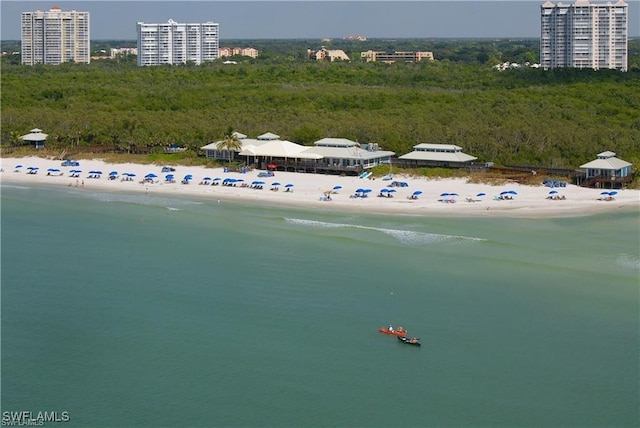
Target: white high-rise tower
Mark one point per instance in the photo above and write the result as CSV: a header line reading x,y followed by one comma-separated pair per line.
x,y
584,35
175,43
55,37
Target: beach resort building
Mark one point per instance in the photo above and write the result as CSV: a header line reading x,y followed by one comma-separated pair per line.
x,y
436,155
326,156
584,34
175,43
391,57
606,171
344,155
253,150
54,37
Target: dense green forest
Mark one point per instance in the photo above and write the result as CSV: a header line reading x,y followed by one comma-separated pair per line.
x,y
555,118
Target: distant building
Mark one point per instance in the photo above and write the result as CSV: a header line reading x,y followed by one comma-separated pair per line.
x,y
391,57
355,37
55,37
328,55
584,35
114,52
176,43
250,52
511,65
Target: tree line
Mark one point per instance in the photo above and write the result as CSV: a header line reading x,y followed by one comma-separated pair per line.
x,y
554,118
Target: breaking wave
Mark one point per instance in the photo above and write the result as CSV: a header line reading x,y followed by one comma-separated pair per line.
x,y
171,204
628,260
408,237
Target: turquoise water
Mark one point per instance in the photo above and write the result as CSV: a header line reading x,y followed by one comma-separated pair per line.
x,y
138,310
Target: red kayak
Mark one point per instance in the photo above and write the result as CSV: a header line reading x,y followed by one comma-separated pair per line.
x,y
397,332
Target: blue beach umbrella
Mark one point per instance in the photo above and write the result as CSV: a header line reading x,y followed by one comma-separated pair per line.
x,y
444,194
391,190
613,193
479,195
337,187
288,185
553,192
150,175
207,178
453,194
217,179
276,184
385,190
512,192
417,192
113,173
18,166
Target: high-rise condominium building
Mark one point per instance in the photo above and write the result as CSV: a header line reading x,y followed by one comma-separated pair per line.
x,y
584,35
55,37
175,43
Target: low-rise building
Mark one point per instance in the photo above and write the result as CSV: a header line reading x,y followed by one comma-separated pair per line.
x,y
391,57
328,55
606,171
114,52
438,155
326,156
345,154
227,51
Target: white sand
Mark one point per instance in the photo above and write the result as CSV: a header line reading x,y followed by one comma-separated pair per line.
x,y
308,190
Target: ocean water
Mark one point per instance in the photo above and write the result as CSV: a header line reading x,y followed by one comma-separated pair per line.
x,y
143,310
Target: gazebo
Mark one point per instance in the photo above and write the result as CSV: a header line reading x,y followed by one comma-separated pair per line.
x,y
35,136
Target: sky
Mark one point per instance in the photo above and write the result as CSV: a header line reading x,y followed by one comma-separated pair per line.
x,y
307,19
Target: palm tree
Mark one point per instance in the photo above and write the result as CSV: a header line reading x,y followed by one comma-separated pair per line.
x,y
229,143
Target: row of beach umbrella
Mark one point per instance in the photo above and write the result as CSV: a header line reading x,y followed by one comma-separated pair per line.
x,y
335,189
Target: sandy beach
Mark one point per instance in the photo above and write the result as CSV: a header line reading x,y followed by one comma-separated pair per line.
x,y
330,192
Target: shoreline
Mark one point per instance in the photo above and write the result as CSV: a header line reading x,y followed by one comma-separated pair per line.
x,y
310,191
